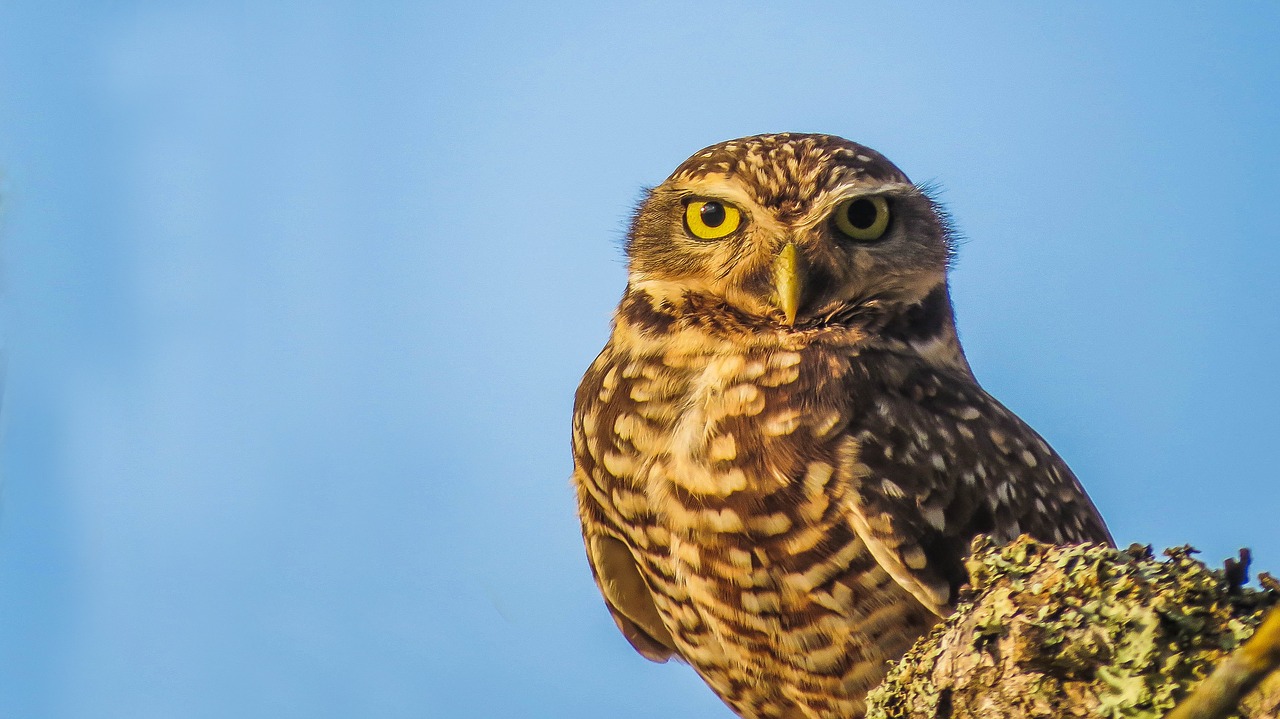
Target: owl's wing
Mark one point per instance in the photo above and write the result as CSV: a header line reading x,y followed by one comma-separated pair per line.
x,y
940,461
628,597
612,563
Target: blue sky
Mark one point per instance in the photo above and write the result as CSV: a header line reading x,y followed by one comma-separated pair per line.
x,y
296,298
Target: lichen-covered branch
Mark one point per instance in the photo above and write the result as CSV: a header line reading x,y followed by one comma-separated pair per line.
x,y
1079,632
1218,696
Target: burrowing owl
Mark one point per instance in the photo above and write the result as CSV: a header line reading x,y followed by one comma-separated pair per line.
x,y
781,455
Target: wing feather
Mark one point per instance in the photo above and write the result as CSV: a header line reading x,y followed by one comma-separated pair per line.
x,y
628,598
940,461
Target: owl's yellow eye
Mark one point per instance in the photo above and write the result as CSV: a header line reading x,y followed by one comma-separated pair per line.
x,y
711,219
863,218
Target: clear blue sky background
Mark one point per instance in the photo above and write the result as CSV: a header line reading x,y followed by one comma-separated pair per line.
x,y
297,298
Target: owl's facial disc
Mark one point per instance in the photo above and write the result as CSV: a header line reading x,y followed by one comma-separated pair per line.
x,y
791,234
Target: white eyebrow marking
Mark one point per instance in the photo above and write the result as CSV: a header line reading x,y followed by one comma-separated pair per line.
x,y
827,200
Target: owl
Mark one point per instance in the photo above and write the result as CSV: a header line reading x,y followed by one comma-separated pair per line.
x,y
782,455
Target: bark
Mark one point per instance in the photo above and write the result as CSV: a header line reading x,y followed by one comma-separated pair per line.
x,y
1083,631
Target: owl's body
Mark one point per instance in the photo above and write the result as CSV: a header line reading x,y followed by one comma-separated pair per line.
x,y
781,455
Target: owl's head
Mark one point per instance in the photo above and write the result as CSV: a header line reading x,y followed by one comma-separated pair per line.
x,y
791,231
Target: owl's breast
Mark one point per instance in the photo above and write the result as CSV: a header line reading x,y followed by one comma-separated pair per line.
x,y
739,464
744,442
748,430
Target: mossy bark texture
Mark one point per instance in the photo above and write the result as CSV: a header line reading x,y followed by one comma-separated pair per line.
x,y
1079,632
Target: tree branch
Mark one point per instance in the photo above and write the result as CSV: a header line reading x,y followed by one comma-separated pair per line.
x,y
1217,696
1084,632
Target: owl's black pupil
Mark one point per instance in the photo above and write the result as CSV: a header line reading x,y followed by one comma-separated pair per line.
x,y
861,214
712,214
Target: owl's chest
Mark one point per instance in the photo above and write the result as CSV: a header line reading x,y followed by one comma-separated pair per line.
x,y
724,443
731,475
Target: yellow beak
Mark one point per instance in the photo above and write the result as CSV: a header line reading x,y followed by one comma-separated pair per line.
x,y
787,281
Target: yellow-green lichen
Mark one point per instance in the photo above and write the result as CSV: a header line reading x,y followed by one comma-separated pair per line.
x,y
1073,631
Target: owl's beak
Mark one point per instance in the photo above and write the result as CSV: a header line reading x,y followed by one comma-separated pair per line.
x,y
788,281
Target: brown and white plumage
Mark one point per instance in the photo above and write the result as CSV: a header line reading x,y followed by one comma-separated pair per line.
x,y
781,454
